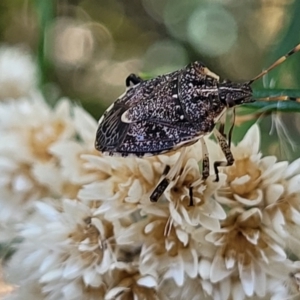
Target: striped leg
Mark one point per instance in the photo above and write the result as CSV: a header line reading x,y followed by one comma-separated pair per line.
x,y
226,150
169,176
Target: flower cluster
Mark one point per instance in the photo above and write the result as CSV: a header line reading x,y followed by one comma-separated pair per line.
x,y
84,228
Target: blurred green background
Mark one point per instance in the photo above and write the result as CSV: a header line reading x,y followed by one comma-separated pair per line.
x,y
86,49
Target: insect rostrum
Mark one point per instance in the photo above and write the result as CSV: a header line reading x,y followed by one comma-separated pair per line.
x,y
171,111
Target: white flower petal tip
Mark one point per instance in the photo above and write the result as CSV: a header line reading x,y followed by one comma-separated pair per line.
x,y
293,169
250,202
50,276
254,213
147,281
115,292
251,139
218,270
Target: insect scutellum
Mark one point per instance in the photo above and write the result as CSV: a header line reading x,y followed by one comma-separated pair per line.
x,y
172,111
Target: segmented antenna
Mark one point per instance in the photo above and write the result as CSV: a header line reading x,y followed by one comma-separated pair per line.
x,y
276,63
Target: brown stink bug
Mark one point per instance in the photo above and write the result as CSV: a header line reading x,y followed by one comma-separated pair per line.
x,y
172,111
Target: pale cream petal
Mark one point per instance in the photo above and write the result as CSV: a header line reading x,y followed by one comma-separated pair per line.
x,y
204,268
251,139
49,261
260,282
218,269
182,236
252,235
247,277
238,291
51,275
135,192
295,216
174,213
251,213
294,185
226,201
146,170
114,292
97,191
191,263
85,124
275,173
225,289
147,281
273,193
214,210
266,162
293,169
278,222
209,223
250,202
92,279
230,259
279,253
176,271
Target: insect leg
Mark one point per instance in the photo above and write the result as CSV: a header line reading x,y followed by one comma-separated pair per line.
x,y
171,173
222,125
166,170
205,160
231,127
160,188
191,196
226,150
133,79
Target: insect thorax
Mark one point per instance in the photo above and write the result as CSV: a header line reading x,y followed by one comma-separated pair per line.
x,y
199,94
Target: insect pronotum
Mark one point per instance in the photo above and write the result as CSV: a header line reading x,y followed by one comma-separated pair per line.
x,y
172,111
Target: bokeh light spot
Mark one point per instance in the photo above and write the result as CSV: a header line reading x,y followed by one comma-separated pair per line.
x,y
212,30
164,56
71,43
176,16
155,8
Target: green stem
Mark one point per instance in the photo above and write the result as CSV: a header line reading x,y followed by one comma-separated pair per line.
x,y
45,12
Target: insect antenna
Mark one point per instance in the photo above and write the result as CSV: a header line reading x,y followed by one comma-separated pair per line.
x,y
280,98
275,64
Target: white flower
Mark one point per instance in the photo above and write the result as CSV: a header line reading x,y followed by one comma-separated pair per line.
x,y
29,170
244,251
18,73
70,151
187,187
63,247
282,211
125,285
121,184
167,249
250,174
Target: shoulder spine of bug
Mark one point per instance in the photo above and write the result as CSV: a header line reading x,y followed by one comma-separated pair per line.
x,y
172,111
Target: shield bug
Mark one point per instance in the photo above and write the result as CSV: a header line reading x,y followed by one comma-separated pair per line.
x,y
172,111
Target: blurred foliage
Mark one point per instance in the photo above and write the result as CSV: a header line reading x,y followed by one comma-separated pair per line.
x,y
86,48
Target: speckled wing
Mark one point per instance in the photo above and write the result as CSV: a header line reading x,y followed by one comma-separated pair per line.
x,y
147,120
